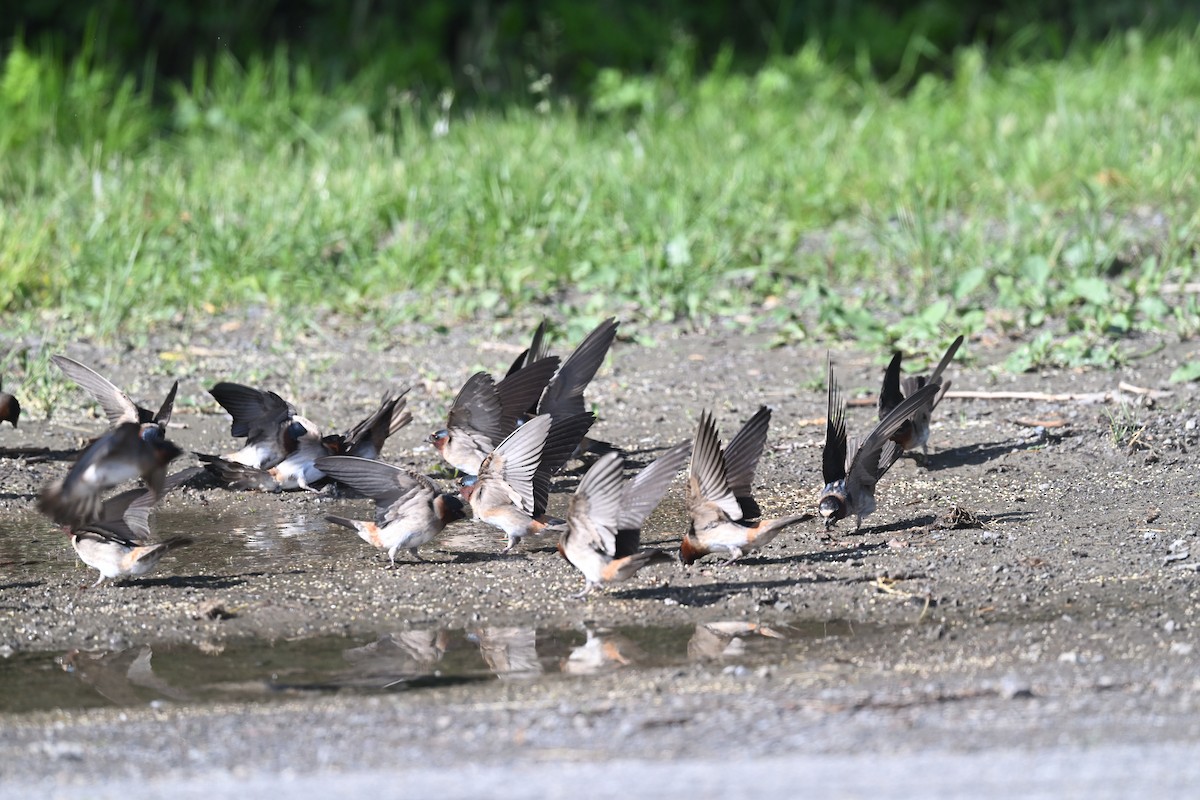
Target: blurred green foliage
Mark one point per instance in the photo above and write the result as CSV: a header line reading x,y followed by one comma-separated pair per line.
x,y
487,49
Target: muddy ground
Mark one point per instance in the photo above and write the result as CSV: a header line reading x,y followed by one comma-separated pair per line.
x,y
1059,621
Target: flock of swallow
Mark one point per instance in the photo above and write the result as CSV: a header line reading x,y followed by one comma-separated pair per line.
x,y
506,438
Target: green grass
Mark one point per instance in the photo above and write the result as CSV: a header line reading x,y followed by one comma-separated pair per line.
x,y
1055,197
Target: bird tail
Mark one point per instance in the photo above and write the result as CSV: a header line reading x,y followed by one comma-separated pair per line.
x,y
343,521
233,475
177,541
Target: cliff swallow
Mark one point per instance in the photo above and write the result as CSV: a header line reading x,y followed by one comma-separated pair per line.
x,y
265,420
410,510
118,456
10,409
116,404
118,543
852,470
605,516
719,497
302,445
513,485
485,412
282,446
914,432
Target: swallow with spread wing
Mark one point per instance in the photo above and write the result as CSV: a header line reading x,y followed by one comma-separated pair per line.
x,y
410,510
118,456
720,502
851,470
485,412
116,404
606,513
512,488
914,433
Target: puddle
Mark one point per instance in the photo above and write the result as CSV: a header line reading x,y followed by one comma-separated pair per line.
x,y
398,661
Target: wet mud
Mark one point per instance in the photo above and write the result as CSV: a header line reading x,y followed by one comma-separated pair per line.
x,y
1036,580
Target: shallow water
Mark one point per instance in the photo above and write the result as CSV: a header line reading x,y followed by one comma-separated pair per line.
x,y
397,661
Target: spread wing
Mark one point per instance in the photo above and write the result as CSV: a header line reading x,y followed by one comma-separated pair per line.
x,y
254,411
869,464
564,436
564,395
890,395
594,508
116,404
936,376
381,482
511,466
741,460
641,495
708,475
163,417
520,390
536,352
833,458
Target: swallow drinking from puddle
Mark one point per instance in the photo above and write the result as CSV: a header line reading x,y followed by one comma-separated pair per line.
x,y
410,510
605,516
513,485
120,455
118,542
117,405
851,472
484,413
720,503
10,409
914,433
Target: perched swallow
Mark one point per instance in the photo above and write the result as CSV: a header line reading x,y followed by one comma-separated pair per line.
x,y
10,409
116,404
605,516
914,432
118,456
410,510
118,543
268,423
852,470
720,502
485,412
513,485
